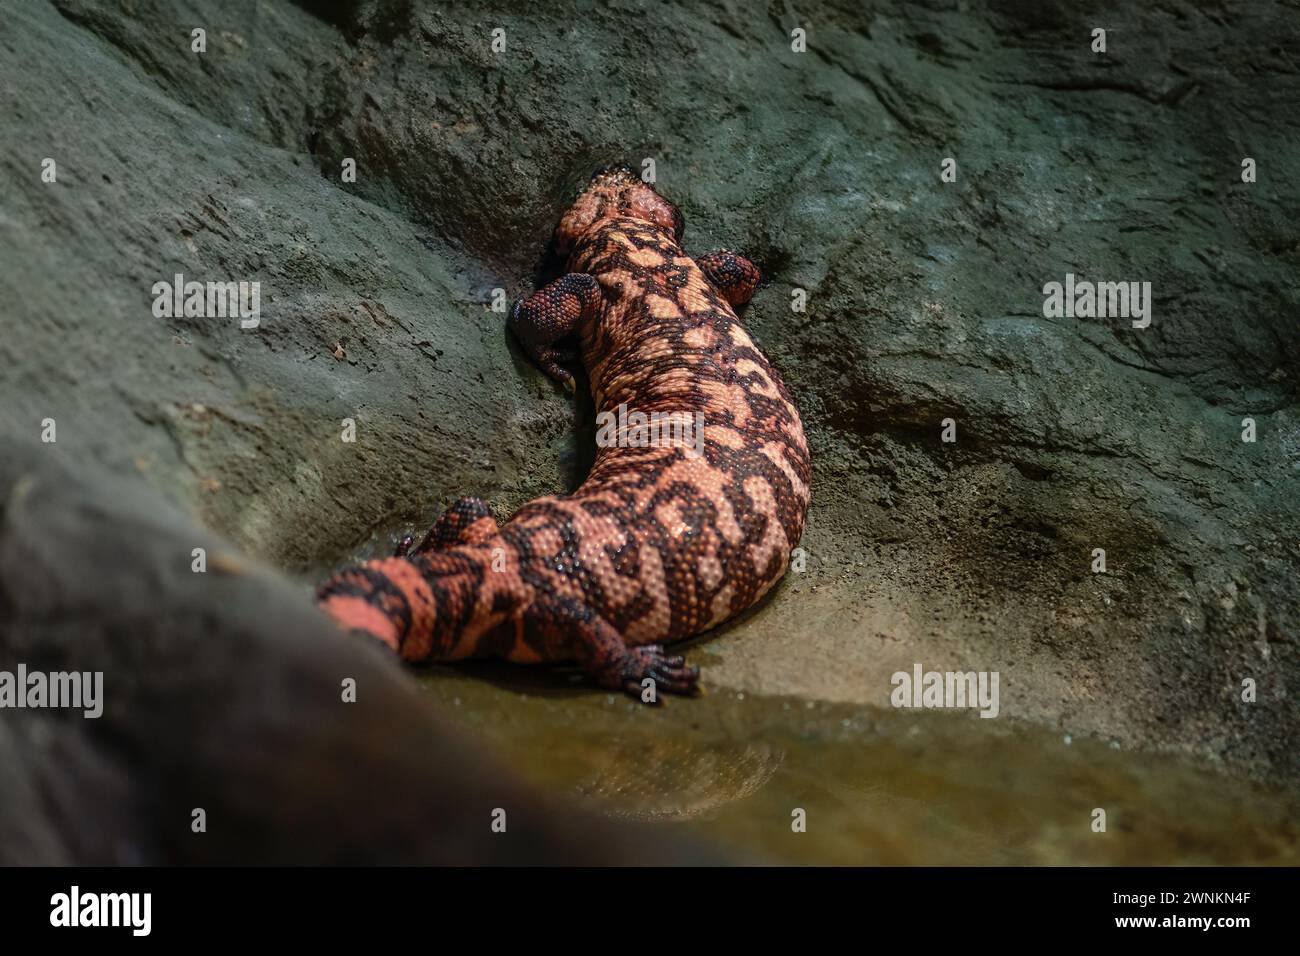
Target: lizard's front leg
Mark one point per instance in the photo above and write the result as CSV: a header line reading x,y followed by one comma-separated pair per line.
x,y
550,314
570,629
735,277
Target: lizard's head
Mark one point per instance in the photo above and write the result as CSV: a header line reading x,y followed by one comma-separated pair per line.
x,y
616,191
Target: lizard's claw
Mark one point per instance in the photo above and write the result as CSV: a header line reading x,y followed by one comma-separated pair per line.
x,y
670,674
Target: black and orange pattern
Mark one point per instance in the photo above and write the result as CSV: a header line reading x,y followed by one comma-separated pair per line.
x,y
657,544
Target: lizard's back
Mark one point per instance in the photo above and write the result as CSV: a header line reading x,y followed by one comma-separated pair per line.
x,y
668,542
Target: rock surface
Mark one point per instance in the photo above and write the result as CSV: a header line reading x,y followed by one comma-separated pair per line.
x,y
924,303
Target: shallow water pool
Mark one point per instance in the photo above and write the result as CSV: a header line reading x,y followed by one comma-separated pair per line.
x,y
874,786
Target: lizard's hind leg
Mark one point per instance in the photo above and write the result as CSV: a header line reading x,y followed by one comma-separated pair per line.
x,y
568,629
468,521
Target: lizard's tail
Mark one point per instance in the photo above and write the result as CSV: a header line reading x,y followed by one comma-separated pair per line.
x,y
388,600
417,603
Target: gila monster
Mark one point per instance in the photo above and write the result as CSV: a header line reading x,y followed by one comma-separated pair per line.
x,y
660,542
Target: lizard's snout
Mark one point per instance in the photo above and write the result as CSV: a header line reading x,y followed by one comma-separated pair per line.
x,y
614,172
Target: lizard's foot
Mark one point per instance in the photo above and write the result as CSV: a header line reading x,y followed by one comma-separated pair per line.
x,y
628,671
548,359
553,313
546,356
569,629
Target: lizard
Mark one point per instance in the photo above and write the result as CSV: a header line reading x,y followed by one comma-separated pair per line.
x,y
662,540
